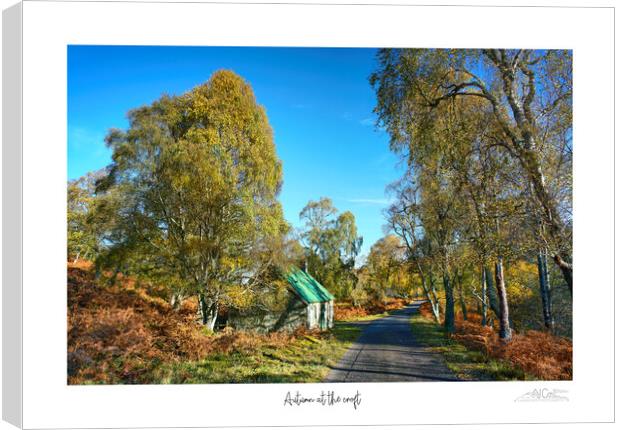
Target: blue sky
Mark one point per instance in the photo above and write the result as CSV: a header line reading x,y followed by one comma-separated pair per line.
x,y
318,101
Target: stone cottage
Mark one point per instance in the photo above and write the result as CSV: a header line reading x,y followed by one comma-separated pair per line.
x,y
309,305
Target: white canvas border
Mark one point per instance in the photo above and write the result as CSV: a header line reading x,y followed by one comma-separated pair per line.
x,y
50,26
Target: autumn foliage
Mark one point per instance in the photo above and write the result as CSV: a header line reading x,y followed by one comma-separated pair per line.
x,y
537,353
120,333
344,311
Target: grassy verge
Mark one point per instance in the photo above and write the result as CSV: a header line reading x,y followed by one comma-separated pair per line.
x,y
465,363
365,318
306,359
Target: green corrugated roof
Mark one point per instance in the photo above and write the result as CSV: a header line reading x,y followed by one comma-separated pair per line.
x,y
307,287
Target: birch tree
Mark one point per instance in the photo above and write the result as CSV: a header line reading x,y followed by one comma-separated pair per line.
x,y
528,92
193,188
332,244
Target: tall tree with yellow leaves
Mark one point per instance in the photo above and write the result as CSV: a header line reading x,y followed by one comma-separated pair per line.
x,y
193,191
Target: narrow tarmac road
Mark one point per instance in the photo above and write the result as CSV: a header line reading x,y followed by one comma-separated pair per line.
x,y
387,351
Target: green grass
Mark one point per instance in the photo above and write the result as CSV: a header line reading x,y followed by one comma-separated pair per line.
x,y
367,317
303,360
467,364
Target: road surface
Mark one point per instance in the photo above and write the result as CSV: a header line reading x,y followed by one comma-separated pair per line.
x,y
386,351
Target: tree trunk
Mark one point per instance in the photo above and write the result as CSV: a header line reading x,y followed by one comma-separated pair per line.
x,y
483,295
505,333
208,311
463,304
491,293
545,295
567,271
436,309
175,301
432,300
449,312
458,286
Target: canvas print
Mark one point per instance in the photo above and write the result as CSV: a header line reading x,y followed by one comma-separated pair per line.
x,y
268,214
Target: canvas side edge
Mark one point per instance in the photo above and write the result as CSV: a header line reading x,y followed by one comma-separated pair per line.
x,y
12,389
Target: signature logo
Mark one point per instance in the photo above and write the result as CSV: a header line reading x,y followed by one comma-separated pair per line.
x,y
543,395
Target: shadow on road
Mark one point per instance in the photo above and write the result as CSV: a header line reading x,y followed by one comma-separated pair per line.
x,y
387,351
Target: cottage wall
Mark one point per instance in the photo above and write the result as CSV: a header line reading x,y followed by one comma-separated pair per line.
x,y
294,316
330,314
313,315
